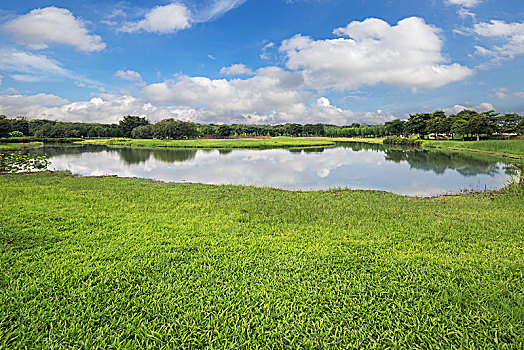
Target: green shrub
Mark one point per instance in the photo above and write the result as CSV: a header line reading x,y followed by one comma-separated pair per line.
x,y
400,141
16,133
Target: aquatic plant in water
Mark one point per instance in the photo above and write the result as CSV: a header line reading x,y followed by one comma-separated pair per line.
x,y
17,162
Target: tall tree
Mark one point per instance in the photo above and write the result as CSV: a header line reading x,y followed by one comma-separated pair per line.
x,y
130,122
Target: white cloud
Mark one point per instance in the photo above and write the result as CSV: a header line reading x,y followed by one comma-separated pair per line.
x,y
504,93
341,116
407,54
272,96
483,107
215,9
177,16
236,69
104,108
30,67
1,77
162,19
266,54
108,108
130,75
271,90
41,27
32,106
464,3
509,37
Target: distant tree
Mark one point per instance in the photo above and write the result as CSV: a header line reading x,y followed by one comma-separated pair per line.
x,y
142,132
520,127
459,126
313,129
5,126
293,129
417,124
480,124
508,123
20,124
224,130
130,122
207,130
438,124
395,127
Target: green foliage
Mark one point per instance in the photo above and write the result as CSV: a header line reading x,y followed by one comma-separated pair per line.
x,y
518,173
174,129
16,133
143,132
417,123
509,123
5,126
400,141
395,127
129,122
16,162
126,263
224,130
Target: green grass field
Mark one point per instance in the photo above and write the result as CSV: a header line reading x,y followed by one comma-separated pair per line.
x,y
512,148
273,142
19,146
116,263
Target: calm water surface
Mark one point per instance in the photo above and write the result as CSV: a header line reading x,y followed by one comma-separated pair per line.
x,y
353,165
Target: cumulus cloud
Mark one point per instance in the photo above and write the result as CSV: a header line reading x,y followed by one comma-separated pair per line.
x,y
272,96
177,16
509,39
341,116
130,75
1,77
272,89
483,107
407,54
31,106
162,19
505,93
236,69
41,27
105,108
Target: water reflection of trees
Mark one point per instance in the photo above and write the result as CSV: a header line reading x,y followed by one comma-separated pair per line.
x,y
128,155
174,155
437,161
467,164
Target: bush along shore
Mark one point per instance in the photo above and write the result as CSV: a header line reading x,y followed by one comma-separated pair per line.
x,y
104,262
400,141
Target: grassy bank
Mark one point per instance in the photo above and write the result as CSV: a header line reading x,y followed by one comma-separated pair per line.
x,y
508,148
273,142
109,262
19,146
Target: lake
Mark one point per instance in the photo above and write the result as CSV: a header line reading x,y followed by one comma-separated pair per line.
x,y
414,172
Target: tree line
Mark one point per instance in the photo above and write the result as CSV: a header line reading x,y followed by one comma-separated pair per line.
x,y
467,124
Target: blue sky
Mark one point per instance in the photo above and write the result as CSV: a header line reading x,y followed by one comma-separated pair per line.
x,y
252,61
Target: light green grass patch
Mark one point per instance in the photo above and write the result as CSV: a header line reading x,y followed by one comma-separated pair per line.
x,y
115,263
19,146
512,148
273,142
